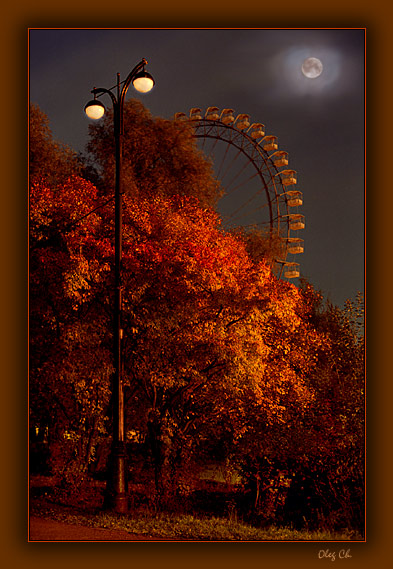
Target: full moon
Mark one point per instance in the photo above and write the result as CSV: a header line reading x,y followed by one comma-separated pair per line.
x,y
312,67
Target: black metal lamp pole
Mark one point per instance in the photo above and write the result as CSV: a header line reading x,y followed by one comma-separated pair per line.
x,y
117,482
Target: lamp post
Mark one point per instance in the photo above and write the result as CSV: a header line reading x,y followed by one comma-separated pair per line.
x,y
142,82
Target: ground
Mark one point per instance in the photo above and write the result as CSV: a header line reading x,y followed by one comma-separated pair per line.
x,y
50,530
41,529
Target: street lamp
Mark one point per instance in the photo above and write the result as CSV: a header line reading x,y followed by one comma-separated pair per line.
x,y
142,82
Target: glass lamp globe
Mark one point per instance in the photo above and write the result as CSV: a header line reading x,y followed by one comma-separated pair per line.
x,y
94,109
143,82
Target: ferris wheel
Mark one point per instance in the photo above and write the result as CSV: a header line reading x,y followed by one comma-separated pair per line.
x,y
259,190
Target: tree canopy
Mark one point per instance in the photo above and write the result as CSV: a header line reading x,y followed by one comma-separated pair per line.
x,y
160,157
48,159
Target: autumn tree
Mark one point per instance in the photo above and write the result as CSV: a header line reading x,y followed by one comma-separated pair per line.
x,y
337,423
70,361
160,157
262,244
48,159
71,238
309,469
208,331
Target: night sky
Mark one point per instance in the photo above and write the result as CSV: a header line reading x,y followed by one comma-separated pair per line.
x,y
319,121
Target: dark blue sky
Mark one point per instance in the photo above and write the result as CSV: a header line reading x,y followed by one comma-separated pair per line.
x,y
319,122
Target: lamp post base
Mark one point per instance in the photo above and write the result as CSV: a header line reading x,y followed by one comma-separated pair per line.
x,y
120,504
116,498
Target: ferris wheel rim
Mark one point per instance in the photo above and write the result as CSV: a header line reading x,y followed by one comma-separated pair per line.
x,y
208,128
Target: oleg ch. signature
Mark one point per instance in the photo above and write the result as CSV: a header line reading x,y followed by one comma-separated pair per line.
x,y
333,555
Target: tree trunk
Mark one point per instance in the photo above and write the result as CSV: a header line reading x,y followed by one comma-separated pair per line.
x,y
160,445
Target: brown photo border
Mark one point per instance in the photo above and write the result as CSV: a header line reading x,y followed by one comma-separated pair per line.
x,y
374,17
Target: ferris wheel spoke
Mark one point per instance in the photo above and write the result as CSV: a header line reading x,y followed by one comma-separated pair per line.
x,y
226,154
231,164
260,224
236,177
242,184
243,221
262,207
211,149
246,203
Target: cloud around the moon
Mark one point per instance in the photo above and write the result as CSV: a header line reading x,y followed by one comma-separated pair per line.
x,y
288,79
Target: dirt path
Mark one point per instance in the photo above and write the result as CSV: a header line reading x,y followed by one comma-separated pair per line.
x,y
49,530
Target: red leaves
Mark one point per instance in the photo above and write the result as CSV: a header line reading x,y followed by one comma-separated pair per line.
x,y
205,312
65,241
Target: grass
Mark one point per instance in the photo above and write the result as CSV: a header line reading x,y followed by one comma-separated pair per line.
x,y
183,526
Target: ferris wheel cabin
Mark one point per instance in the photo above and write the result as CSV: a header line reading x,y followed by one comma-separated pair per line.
x,y
296,221
295,245
256,130
227,117
270,143
291,270
242,121
196,114
288,177
212,114
280,158
294,198
181,116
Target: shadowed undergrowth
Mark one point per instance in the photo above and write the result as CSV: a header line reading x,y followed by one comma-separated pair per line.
x,y
173,526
